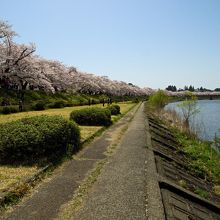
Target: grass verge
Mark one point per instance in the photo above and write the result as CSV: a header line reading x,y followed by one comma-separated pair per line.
x,y
204,161
11,175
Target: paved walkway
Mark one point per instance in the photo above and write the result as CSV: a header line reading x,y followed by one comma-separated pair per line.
x,y
119,192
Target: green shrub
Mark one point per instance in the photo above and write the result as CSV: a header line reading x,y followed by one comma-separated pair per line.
x,y
39,106
69,104
92,116
14,109
204,161
114,109
159,99
57,104
6,110
136,100
5,101
9,109
30,139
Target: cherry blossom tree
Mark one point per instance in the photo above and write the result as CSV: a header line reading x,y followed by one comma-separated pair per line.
x,y
12,56
6,36
21,69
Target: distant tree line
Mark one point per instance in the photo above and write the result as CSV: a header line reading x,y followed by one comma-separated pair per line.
x,y
190,88
171,88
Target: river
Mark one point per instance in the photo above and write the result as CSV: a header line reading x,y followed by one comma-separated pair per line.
x,y
207,121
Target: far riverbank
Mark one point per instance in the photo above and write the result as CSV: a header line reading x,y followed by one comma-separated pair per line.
x,y
207,121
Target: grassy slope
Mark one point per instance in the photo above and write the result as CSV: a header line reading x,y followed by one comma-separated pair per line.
x,y
204,161
32,97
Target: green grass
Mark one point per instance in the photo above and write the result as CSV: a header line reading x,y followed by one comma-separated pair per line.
x,y
65,112
88,131
217,189
202,193
124,108
31,97
204,161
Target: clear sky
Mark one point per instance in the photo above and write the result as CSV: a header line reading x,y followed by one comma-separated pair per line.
x,y
151,43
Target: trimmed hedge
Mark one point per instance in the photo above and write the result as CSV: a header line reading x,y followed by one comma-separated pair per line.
x,y
92,116
9,109
57,104
39,106
29,139
114,109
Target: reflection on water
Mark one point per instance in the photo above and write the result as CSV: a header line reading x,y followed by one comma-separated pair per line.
x,y
207,121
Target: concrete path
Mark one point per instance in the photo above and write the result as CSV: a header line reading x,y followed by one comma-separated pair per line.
x,y
120,191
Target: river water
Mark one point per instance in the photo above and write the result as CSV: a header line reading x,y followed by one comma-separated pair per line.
x,y
207,121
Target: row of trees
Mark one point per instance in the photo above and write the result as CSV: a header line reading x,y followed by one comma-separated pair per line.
x,y
202,94
190,88
21,69
171,88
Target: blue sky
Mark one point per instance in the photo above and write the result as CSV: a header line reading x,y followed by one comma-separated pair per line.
x,y
151,43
